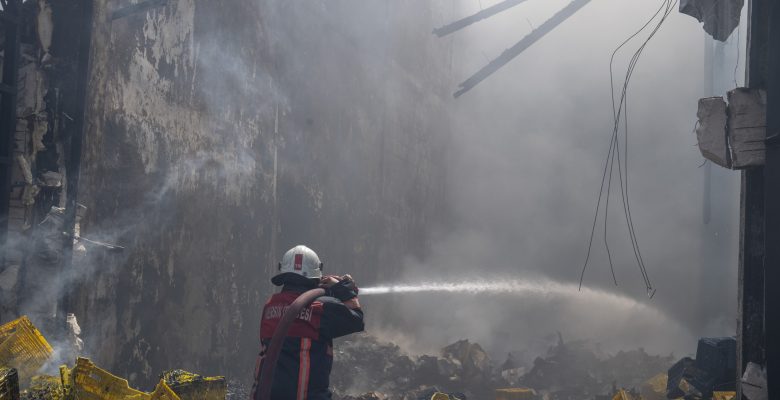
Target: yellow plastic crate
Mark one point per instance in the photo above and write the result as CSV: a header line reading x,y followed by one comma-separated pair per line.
x,y
93,383
724,395
515,394
66,379
23,347
164,392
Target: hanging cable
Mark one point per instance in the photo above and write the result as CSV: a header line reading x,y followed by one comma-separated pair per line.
x,y
620,113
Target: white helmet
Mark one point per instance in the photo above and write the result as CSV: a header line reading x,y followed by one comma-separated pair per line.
x,y
299,260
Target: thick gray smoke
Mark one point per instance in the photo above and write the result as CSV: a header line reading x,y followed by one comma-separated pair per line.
x,y
223,135
524,173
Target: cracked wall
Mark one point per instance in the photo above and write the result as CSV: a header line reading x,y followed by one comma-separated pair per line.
x,y
219,135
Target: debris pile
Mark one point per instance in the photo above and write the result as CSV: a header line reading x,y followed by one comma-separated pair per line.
x,y
573,370
365,368
237,390
43,387
189,386
9,383
24,352
713,370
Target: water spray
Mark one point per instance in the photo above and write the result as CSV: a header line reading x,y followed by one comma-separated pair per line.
x,y
471,287
503,286
613,307
510,287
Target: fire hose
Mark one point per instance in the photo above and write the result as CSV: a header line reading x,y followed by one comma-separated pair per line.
x,y
275,346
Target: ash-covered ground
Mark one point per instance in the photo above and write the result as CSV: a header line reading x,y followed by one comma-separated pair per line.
x,y
367,368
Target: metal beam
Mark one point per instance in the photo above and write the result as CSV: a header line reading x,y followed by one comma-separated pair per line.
x,y
520,46
482,14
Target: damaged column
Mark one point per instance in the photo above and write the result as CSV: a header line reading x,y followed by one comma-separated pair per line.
x,y
734,136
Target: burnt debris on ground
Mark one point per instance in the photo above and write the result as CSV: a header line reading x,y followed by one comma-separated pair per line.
x,y
367,368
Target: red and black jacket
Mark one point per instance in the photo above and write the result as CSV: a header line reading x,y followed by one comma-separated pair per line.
x,y
306,358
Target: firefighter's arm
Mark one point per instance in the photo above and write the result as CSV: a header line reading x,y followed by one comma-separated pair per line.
x,y
343,288
338,319
341,309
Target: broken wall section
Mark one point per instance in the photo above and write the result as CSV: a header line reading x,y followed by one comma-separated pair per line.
x,y
220,135
733,135
30,280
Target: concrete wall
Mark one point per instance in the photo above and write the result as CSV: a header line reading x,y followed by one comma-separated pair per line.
x,y
220,133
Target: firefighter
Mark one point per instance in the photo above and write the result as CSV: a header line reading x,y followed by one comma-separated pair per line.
x,y
306,358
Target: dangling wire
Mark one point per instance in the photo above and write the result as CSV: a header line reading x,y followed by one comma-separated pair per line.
x,y
620,112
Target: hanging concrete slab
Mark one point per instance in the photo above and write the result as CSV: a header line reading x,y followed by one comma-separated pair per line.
x,y
720,18
732,135
711,130
747,127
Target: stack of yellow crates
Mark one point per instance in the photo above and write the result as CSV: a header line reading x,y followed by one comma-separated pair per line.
x,y
23,347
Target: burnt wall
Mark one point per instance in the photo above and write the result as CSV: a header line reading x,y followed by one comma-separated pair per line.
x,y
221,133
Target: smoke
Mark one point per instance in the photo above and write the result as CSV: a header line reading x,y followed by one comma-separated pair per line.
x,y
540,303
524,169
207,108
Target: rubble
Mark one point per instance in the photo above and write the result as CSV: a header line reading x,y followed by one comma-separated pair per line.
x,y
237,390
366,396
713,370
189,386
86,381
366,368
363,364
573,370
474,363
463,370
23,348
43,387
9,383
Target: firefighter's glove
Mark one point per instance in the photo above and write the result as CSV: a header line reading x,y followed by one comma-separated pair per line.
x,y
344,290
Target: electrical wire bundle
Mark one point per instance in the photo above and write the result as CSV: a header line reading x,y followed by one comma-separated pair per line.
x,y
614,156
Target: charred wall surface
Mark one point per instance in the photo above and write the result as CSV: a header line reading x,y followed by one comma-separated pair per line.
x,y
220,133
